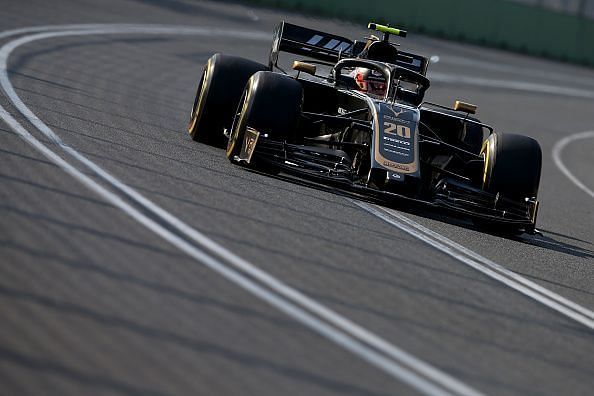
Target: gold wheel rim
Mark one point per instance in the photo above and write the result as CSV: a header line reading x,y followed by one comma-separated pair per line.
x,y
486,153
200,101
240,121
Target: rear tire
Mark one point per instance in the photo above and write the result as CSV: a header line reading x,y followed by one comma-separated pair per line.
x,y
271,104
220,88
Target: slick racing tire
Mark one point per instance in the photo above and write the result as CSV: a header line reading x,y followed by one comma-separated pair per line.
x,y
512,169
219,90
271,104
512,165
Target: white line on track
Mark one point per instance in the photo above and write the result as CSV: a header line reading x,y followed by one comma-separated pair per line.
x,y
340,330
558,148
474,260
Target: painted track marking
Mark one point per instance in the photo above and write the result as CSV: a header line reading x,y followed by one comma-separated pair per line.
x,y
558,148
495,271
338,329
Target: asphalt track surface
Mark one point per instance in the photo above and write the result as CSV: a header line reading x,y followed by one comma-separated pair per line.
x,y
104,293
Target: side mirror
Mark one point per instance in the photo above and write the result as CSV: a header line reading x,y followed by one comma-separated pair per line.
x,y
465,107
305,67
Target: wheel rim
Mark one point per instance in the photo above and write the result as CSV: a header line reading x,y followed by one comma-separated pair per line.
x,y
235,129
199,101
238,123
486,153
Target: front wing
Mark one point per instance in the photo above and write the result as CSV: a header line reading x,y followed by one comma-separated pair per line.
x,y
323,169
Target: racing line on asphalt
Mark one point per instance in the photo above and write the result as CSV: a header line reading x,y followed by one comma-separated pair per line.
x,y
559,146
482,264
338,329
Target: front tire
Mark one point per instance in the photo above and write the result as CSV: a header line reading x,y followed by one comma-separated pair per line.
x,y
512,168
221,85
271,104
512,165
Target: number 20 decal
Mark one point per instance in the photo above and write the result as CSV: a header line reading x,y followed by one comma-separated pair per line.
x,y
401,130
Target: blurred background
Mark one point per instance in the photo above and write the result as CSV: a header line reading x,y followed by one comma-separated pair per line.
x,y
583,8
556,29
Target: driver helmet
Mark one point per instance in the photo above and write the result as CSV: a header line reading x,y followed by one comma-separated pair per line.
x,y
371,82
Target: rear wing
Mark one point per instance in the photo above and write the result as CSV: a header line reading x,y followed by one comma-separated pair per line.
x,y
328,47
307,42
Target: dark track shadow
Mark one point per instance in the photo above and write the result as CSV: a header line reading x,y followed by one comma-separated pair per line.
x,y
157,335
414,208
46,188
127,148
88,265
287,227
542,241
103,125
403,205
43,220
564,236
341,246
165,102
23,156
42,80
38,365
98,110
396,282
546,242
441,330
84,77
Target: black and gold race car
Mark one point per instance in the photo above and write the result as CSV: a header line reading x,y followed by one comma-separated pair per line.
x,y
351,114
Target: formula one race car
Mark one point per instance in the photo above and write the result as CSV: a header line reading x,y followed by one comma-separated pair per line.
x,y
362,125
